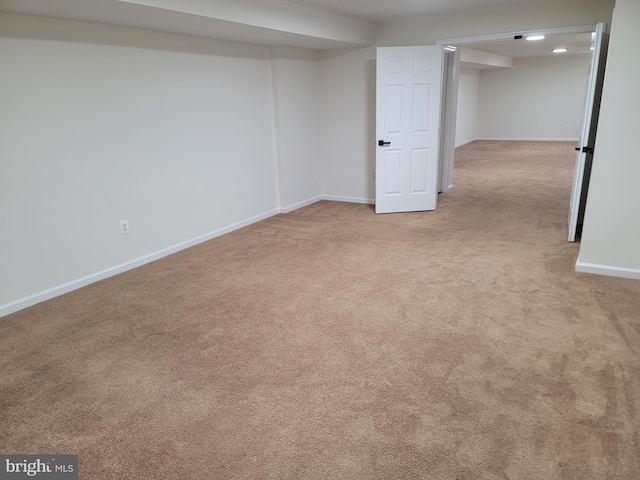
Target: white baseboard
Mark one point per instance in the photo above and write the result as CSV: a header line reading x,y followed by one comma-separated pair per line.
x,y
50,293
333,198
298,205
527,139
466,142
608,270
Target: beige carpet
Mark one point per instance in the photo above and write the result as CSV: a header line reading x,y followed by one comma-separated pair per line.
x,y
331,343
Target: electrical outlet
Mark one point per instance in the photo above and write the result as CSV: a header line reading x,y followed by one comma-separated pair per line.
x,y
373,176
568,126
124,226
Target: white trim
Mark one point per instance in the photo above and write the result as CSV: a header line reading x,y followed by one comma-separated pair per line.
x,y
449,118
333,198
273,57
298,205
461,144
519,139
509,35
50,293
608,270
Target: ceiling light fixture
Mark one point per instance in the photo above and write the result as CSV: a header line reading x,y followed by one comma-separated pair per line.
x,y
559,50
535,37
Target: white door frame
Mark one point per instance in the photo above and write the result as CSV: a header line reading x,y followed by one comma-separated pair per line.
x,y
495,37
452,81
448,118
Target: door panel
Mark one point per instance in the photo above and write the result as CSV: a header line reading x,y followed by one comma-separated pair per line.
x,y
421,97
392,172
408,110
393,119
419,170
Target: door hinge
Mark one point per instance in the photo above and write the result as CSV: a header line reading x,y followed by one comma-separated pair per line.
x,y
587,149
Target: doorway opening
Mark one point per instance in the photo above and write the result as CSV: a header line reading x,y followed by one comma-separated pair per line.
x,y
497,51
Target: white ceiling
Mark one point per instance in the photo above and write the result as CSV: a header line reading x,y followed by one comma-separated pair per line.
x,y
315,24
575,43
385,10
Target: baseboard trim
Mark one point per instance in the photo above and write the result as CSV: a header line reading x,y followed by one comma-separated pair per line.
x,y
50,293
526,139
461,144
334,198
608,270
298,205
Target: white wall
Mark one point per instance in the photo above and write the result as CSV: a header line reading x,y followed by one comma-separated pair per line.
x,y
468,101
534,100
347,88
347,117
297,125
611,235
102,123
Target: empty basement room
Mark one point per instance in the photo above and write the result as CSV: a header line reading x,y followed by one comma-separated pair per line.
x,y
194,281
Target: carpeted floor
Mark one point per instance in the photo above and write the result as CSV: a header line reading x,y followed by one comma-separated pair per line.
x,y
331,343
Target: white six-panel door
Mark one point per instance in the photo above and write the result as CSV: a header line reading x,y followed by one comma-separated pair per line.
x,y
408,105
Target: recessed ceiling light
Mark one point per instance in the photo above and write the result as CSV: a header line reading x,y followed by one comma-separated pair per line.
x,y
535,37
559,50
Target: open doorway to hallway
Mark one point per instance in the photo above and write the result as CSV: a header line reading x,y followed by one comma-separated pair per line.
x,y
534,86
